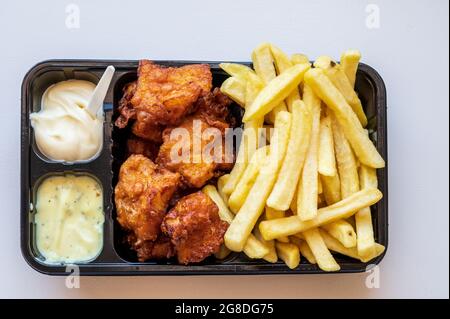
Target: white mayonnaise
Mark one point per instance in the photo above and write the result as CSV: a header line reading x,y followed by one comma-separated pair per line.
x,y
69,219
64,130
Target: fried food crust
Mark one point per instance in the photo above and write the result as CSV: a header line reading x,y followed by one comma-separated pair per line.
x,y
142,195
194,228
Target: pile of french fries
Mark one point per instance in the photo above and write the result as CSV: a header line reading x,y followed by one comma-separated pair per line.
x,y
308,193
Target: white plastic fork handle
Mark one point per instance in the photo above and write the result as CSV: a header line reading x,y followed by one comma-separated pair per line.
x,y
100,91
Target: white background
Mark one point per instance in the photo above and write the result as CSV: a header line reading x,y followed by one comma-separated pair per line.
x,y
410,49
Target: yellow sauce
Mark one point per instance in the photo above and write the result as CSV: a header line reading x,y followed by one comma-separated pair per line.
x,y
69,219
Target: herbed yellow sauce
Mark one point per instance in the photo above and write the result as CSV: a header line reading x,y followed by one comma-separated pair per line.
x,y
69,219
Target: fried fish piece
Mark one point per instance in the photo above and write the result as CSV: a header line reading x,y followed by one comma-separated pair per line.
x,y
194,228
178,152
145,128
166,94
142,195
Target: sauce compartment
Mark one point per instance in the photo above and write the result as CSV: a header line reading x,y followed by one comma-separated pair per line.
x,y
52,183
39,86
116,258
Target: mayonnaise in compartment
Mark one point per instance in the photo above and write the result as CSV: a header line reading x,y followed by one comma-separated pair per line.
x,y
64,130
69,219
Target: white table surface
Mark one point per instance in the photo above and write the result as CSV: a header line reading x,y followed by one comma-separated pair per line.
x,y
410,49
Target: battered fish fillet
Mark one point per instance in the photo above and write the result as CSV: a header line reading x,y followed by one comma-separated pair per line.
x,y
142,195
194,228
168,94
162,248
189,161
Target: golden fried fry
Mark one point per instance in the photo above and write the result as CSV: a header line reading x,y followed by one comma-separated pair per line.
x,y
234,89
342,231
320,251
271,213
253,206
338,77
288,177
238,196
334,245
304,249
253,248
331,188
353,130
327,160
308,186
348,171
224,212
347,207
220,184
363,218
349,62
275,92
289,253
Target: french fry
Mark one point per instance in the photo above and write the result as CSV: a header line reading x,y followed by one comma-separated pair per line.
x,y
253,248
338,77
282,63
275,92
319,187
246,218
349,62
221,181
271,256
345,208
331,188
289,253
224,212
273,114
223,252
238,196
298,58
342,231
320,251
304,249
334,245
352,128
285,186
234,89
263,62
308,186
249,140
363,218
271,213
364,228
368,177
238,71
265,69
327,160
348,171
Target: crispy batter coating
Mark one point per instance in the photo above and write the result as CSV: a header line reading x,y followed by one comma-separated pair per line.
x,y
136,145
126,109
190,161
142,195
161,248
195,228
145,128
168,94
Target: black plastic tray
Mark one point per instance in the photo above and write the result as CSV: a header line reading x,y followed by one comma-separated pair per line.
x,y
114,259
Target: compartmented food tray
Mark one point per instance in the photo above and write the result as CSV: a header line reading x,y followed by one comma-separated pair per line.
x,y
114,258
